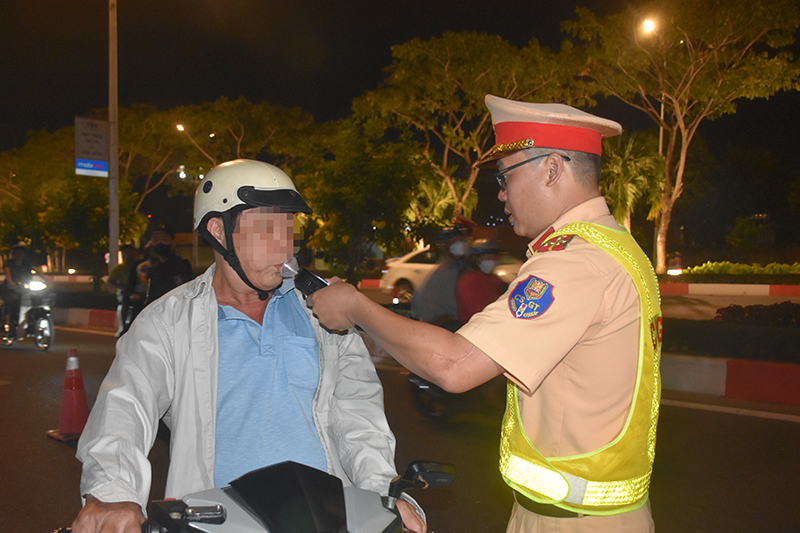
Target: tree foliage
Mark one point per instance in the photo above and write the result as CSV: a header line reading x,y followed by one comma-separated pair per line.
x,y
55,210
700,59
436,88
631,170
358,191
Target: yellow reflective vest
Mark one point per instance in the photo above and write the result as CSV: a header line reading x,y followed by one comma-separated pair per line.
x,y
616,477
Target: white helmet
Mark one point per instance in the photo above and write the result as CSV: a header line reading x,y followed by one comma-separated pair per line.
x,y
237,185
245,183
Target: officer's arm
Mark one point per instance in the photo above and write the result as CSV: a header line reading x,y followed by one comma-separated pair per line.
x,y
433,353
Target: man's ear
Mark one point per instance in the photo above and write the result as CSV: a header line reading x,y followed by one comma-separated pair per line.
x,y
216,229
555,169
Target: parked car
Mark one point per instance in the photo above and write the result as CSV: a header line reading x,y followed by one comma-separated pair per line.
x,y
401,276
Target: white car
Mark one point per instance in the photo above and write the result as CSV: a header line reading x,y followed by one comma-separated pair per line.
x,y
401,276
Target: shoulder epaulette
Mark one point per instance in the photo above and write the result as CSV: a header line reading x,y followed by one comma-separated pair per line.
x,y
555,244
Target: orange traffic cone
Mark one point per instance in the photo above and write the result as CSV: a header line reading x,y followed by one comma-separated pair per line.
x,y
74,409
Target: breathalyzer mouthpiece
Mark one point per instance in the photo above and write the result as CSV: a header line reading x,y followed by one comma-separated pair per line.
x,y
290,268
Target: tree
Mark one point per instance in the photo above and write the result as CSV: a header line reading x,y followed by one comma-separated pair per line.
x,y
698,60
219,131
149,150
436,89
358,190
631,170
57,210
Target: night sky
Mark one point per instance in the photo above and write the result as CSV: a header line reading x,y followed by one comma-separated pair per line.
x,y
316,54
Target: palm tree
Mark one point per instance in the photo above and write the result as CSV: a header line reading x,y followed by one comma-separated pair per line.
x,y
631,170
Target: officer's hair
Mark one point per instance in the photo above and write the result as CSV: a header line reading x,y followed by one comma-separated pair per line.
x,y
585,166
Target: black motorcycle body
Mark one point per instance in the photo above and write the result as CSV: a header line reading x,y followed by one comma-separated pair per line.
x,y
292,498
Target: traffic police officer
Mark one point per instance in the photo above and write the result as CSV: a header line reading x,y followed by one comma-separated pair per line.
x,y
577,333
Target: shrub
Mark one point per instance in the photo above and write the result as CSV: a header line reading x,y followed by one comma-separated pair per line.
x,y
726,267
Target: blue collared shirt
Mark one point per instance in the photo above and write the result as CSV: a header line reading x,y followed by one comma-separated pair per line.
x,y
268,377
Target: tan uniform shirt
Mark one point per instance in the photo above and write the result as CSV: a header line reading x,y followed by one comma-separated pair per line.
x,y
574,357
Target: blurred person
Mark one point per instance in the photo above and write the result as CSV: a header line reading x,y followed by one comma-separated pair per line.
x,y
121,278
238,368
167,269
578,334
435,301
478,285
17,273
140,282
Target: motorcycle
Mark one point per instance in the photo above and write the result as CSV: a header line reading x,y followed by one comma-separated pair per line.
x,y
290,497
34,318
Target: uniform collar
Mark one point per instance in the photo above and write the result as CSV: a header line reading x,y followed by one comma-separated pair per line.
x,y
594,210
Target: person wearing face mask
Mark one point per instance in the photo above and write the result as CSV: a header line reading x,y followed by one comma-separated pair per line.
x,y
168,270
238,368
478,286
435,301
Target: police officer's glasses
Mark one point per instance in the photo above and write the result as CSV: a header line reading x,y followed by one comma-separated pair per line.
x,y
500,175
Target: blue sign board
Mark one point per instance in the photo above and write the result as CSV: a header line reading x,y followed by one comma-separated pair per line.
x,y
87,167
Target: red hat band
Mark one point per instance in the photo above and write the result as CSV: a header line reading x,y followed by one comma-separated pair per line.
x,y
554,136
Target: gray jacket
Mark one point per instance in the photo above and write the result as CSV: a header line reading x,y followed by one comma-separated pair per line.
x,y
166,366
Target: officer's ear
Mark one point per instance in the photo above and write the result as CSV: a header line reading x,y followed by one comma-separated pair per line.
x,y
555,169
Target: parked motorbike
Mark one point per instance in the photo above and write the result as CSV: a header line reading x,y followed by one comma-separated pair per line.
x,y
33,319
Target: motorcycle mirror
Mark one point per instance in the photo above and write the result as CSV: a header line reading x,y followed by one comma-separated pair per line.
x,y
420,474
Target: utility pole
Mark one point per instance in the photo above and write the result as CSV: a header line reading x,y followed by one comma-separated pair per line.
x,y
113,140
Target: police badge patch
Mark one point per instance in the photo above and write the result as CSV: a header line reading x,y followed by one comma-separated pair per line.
x,y
531,298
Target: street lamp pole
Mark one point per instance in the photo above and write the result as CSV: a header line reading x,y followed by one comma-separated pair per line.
x,y
113,140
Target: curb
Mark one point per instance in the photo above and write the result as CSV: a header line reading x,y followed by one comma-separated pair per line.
x,y
739,379
93,318
728,289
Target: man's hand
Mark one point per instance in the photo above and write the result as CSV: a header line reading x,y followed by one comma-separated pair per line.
x,y
100,517
411,520
331,304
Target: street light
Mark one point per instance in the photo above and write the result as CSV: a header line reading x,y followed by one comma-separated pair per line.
x,y
182,129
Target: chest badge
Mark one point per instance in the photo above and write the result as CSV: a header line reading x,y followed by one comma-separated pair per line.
x,y
531,298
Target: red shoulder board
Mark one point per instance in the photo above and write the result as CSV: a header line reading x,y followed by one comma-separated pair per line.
x,y
555,244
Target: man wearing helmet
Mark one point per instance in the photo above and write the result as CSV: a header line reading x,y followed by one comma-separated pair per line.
x,y
17,273
237,367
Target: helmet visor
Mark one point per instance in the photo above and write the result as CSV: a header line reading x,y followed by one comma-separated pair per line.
x,y
287,199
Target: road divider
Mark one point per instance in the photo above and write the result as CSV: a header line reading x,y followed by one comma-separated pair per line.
x,y
728,289
740,379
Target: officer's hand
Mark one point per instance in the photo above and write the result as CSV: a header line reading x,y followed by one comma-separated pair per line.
x,y
100,517
411,520
331,304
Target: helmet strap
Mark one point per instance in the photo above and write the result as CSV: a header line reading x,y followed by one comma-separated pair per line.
x,y
229,254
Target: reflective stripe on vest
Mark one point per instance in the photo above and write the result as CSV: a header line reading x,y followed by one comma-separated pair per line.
x,y
616,477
